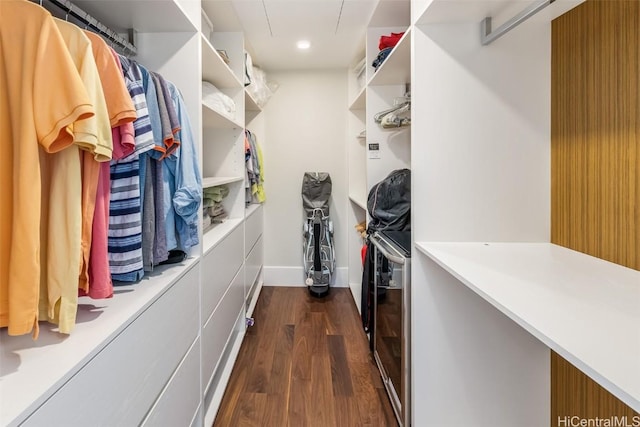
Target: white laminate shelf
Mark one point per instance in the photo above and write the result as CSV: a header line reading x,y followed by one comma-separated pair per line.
x,y
447,11
396,69
251,209
214,69
31,371
584,308
359,201
213,119
163,16
360,100
213,181
216,233
250,104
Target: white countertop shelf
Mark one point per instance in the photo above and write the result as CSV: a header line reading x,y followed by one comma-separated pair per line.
x,y
584,308
396,69
213,119
31,371
216,233
214,69
213,181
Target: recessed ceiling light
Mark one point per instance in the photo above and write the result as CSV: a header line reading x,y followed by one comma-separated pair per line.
x,y
303,44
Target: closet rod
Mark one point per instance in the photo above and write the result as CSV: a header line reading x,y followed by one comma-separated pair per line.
x,y
487,36
93,24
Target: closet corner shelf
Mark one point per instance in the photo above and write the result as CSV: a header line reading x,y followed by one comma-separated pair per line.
x,y
212,119
214,234
358,201
251,209
582,307
396,69
250,104
33,370
360,101
214,69
213,181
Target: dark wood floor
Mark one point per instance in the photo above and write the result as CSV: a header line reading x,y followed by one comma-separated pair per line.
x,y
305,362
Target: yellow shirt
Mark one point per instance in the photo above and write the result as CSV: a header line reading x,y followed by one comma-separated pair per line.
x,y
62,212
41,95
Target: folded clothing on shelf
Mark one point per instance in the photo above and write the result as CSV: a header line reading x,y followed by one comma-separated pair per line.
x,y
215,99
213,211
389,41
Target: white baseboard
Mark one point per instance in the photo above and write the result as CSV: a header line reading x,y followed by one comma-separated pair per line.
x,y
294,276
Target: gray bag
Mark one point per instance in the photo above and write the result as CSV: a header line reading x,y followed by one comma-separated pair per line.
x,y
316,190
389,203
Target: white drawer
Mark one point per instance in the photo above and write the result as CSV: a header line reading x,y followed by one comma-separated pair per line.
x,y
219,327
252,229
219,266
179,401
252,267
119,385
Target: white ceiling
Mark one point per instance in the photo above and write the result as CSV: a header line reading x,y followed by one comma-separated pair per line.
x,y
335,29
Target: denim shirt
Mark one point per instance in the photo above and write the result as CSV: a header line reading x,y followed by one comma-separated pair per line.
x,y
183,184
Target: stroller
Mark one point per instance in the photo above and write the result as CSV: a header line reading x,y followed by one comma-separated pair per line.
x,y
318,250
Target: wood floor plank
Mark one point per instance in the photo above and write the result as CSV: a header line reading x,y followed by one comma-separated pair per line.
x,y
306,362
340,373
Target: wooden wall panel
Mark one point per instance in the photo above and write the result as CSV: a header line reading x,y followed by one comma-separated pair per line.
x,y
595,176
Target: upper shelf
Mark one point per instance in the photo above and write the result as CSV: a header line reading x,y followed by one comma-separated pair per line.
x,y
214,69
458,11
250,104
214,181
212,119
160,17
582,307
396,69
360,101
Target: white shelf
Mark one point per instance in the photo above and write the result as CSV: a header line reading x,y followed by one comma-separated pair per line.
x,y
32,371
584,308
359,201
214,69
216,233
212,119
459,11
163,16
396,69
251,209
213,181
360,101
250,104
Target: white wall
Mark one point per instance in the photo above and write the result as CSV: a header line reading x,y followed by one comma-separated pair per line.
x,y
305,130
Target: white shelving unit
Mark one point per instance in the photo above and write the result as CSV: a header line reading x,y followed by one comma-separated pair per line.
x,y
220,180
368,166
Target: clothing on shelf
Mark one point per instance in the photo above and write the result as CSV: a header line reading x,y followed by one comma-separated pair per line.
x,y
213,211
86,168
218,101
254,169
386,45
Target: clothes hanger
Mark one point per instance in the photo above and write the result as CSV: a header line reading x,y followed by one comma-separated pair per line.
x,y
379,116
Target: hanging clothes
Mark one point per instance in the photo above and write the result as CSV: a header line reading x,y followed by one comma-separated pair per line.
x,y
35,113
97,279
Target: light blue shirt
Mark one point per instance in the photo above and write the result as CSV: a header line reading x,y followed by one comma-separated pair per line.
x,y
183,184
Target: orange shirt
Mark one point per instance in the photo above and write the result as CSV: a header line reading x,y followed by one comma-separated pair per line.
x,y
41,96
